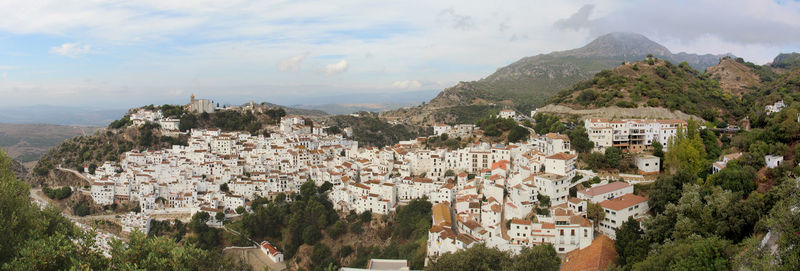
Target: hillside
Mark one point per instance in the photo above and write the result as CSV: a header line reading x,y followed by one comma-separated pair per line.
x,y
658,83
734,77
786,61
531,81
19,170
27,142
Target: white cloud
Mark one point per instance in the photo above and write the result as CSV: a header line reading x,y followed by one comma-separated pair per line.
x,y
237,47
335,68
5,75
292,64
407,84
71,49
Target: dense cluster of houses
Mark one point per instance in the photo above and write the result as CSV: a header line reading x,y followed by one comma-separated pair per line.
x,y
505,196
502,206
220,170
632,135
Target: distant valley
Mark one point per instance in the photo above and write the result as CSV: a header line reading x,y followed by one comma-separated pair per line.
x,y
28,142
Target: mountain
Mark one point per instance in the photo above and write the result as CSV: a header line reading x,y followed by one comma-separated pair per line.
x,y
529,82
788,61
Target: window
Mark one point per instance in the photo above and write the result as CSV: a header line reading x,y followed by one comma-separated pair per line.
x,y
562,232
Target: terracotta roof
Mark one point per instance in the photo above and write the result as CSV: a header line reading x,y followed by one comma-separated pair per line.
x,y
557,136
602,189
441,215
561,156
622,202
520,221
598,256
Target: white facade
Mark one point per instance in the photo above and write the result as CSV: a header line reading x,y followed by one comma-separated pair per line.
x,y
273,253
133,221
773,161
647,164
633,135
618,210
507,114
599,193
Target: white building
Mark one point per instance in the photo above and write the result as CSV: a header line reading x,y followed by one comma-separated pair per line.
x,y
721,164
201,105
633,135
554,186
133,221
647,164
439,129
774,108
773,161
561,164
618,210
507,114
600,193
273,253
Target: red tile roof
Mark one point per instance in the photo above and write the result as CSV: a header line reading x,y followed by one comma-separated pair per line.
x,y
598,256
561,156
622,202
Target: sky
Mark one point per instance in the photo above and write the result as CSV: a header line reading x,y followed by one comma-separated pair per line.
x,y
112,54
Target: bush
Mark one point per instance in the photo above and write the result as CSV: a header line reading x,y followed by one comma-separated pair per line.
x,y
57,194
365,217
356,228
337,229
626,104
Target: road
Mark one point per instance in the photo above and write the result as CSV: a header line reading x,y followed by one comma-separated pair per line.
x,y
75,172
37,195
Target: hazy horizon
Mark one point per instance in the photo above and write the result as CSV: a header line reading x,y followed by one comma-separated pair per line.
x,y
122,55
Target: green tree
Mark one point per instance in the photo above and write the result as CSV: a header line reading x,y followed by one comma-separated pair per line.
x,y
691,254
735,177
687,151
612,157
595,213
337,229
540,257
631,244
667,189
240,210
476,258
220,216
658,149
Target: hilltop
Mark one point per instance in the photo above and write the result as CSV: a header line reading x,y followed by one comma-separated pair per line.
x,y
786,61
657,83
530,82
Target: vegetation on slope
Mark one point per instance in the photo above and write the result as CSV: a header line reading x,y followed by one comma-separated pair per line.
x,y
788,61
481,258
657,83
92,151
369,130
